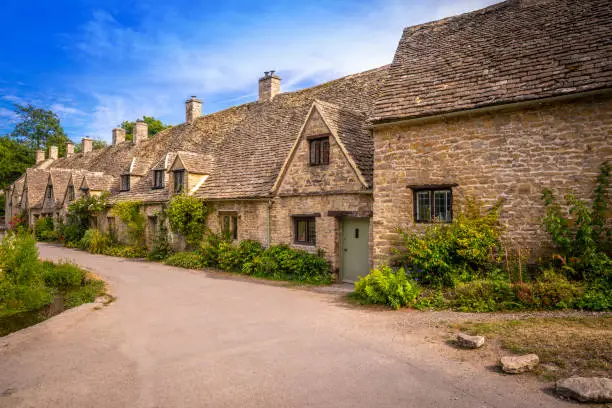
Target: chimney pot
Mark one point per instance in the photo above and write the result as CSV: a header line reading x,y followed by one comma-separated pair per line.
x,y
118,136
193,109
69,149
87,145
141,131
40,156
269,86
53,152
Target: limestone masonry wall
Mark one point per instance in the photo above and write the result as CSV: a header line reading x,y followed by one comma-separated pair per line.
x,y
509,154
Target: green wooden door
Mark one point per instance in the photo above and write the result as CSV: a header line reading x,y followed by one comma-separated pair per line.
x,y
355,248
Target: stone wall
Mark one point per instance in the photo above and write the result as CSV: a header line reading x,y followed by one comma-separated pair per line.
x,y
327,226
301,177
252,218
512,154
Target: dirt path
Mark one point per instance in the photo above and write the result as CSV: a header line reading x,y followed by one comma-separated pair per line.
x,y
177,338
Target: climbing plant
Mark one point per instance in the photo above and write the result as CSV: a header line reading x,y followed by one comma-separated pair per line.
x,y
187,216
83,214
129,212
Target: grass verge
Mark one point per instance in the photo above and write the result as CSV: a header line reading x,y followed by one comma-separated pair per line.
x,y
566,345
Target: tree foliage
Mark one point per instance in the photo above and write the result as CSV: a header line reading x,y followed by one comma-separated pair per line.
x,y
39,128
154,127
15,158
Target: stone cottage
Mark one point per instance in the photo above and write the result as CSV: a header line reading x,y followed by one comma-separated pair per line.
x,y
497,103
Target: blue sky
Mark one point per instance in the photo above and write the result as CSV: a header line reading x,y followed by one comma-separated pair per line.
x,y
99,62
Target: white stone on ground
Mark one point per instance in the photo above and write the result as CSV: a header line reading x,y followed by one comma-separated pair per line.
x,y
584,389
467,341
519,364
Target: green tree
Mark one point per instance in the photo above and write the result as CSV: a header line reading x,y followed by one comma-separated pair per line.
x,y
15,158
155,126
39,128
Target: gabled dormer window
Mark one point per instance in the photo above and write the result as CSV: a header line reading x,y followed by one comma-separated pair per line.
x,y
125,182
319,151
49,192
158,179
179,181
70,193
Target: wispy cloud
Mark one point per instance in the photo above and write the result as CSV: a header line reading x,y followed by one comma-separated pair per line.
x,y
62,109
14,99
149,69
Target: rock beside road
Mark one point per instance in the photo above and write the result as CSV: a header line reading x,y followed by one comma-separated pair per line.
x,y
519,364
472,342
584,389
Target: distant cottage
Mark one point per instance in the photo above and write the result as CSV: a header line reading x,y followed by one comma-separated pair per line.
x,y
500,102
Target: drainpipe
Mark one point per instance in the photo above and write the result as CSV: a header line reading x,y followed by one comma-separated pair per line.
x,y
269,238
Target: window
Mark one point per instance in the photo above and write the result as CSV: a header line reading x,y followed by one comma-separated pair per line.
x,y
158,179
125,182
179,181
305,230
433,205
49,192
319,151
71,193
229,225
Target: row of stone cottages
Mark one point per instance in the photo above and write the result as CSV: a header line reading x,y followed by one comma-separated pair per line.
x,y
499,102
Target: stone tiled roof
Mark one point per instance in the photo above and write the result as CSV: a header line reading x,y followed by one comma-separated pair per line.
x,y
513,51
100,182
249,143
350,128
196,163
60,179
35,186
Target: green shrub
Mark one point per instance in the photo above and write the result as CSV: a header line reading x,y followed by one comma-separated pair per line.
x,y
42,227
62,276
86,293
581,234
229,257
187,216
248,250
19,259
95,241
210,249
431,299
125,251
189,260
82,214
385,287
597,296
283,262
460,251
19,297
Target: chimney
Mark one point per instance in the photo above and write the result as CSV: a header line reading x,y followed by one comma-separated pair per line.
x,y
118,136
87,145
40,156
193,109
269,86
53,152
141,131
69,149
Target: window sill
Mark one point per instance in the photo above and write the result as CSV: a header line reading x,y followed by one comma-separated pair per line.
x,y
157,188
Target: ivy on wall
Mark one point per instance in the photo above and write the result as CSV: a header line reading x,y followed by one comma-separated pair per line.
x,y
187,216
129,212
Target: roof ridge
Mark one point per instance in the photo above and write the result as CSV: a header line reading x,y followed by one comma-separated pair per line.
x,y
445,20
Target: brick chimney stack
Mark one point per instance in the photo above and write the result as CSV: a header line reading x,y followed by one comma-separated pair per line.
x,y
69,149
269,86
141,131
40,156
53,152
193,109
118,136
87,145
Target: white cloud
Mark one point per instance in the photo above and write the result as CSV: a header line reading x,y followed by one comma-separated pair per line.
x,y
151,69
62,109
14,99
